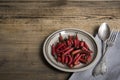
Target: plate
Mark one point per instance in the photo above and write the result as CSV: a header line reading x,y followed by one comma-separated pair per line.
x,y
88,38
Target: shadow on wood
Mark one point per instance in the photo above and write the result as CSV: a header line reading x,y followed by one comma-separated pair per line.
x,y
95,30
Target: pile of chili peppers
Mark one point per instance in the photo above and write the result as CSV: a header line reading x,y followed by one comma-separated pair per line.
x,y
71,51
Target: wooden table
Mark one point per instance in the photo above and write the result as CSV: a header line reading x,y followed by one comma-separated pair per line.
x,y
25,24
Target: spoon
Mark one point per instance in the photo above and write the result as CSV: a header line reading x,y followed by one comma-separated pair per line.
x,y
103,33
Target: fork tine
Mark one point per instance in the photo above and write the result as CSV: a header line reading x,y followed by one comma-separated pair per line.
x,y
111,36
115,36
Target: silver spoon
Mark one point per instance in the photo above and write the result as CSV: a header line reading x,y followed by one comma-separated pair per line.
x,y
103,33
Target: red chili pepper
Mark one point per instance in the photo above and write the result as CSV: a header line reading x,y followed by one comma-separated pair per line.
x,y
75,43
66,59
65,45
69,43
58,54
82,43
65,49
53,50
70,40
84,52
86,46
63,59
89,58
76,51
59,59
77,46
76,56
77,60
60,37
60,46
70,37
70,59
85,49
68,51
83,60
77,36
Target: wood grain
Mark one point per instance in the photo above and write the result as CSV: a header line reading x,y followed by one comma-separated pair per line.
x,y
25,24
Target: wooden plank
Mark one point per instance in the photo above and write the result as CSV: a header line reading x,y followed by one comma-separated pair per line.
x,y
36,76
50,4
77,9
66,12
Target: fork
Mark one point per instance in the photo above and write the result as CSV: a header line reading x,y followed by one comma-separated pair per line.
x,y
101,67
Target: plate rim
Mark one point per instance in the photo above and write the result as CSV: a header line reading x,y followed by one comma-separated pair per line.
x,y
68,70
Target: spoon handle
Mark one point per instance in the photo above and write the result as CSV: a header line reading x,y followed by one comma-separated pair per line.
x,y
104,46
103,62
101,67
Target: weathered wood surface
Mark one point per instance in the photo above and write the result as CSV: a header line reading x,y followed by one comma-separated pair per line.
x,y
25,24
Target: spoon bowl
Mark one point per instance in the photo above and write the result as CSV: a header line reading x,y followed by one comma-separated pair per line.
x,y
104,31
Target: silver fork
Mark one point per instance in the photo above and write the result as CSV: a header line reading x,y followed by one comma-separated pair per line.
x,y
101,67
